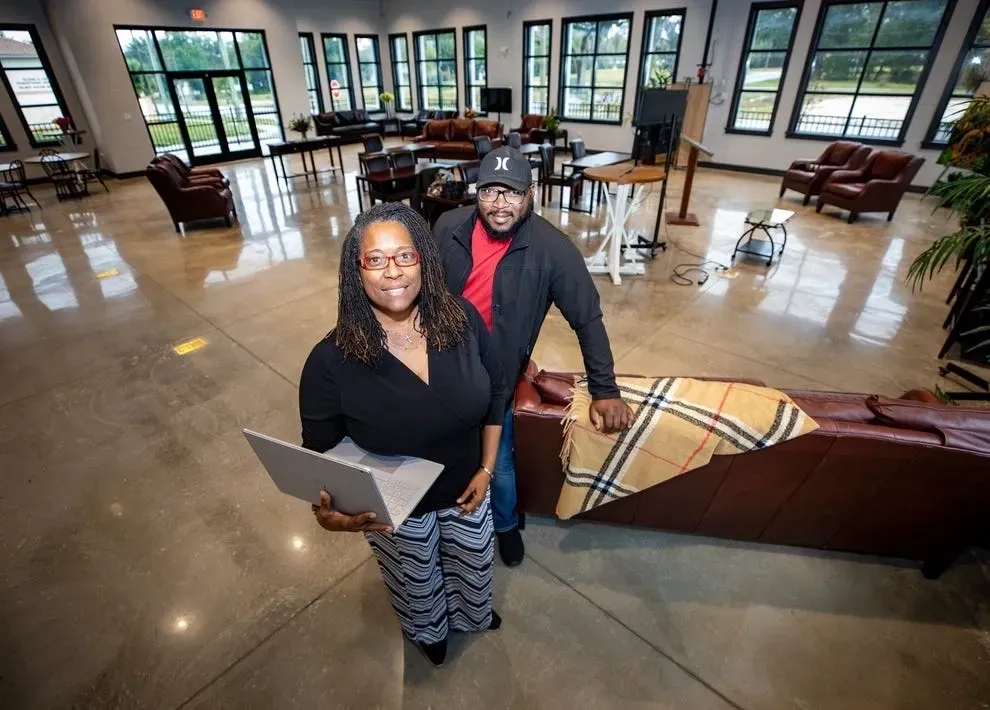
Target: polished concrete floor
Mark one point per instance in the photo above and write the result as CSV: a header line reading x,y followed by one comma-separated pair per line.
x,y
148,562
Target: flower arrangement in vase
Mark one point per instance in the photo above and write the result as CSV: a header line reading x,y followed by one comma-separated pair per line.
x,y
300,124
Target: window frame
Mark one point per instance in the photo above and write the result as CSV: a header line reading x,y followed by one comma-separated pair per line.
x,y
311,41
420,86
465,32
754,10
933,50
395,62
52,82
375,43
562,67
643,53
168,74
968,45
527,56
324,36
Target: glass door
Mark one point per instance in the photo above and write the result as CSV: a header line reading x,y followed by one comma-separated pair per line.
x,y
213,116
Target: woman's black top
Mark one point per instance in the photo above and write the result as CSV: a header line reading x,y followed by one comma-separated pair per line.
x,y
389,410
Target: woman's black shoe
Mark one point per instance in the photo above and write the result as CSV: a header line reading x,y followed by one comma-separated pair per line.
x,y
436,653
510,547
496,622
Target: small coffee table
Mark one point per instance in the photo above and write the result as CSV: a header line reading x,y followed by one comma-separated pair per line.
x,y
765,219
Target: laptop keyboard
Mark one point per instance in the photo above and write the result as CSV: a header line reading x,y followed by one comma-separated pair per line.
x,y
399,496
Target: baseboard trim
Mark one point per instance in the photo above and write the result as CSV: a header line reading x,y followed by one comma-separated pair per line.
x,y
772,172
124,176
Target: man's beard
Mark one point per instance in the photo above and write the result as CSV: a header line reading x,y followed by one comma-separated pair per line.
x,y
510,231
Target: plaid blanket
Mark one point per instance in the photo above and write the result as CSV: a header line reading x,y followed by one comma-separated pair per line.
x,y
680,423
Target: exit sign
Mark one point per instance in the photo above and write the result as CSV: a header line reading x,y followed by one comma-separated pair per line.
x,y
197,15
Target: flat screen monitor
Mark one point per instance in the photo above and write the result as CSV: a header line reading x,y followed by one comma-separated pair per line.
x,y
496,100
658,105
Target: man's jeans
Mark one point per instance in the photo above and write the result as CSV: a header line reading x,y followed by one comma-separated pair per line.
x,y
503,489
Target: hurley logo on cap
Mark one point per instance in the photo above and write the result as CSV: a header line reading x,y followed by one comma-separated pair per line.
x,y
502,162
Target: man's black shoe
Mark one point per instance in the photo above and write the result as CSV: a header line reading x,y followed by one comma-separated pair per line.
x,y
510,547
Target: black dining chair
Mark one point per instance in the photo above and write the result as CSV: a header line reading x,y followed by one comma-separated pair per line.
x,y
13,184
373,145
68,183
469,171
403,159
482,146
572,181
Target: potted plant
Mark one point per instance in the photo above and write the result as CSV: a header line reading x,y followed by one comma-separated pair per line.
x,y
470,113
966,194
387,98
659,78
300,124
551,124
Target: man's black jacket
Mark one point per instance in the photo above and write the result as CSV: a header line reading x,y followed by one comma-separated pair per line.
x,y
542,267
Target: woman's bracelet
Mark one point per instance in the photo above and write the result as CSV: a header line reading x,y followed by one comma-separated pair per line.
x,y
488,471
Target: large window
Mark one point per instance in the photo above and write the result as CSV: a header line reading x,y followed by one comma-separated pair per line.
x,y
661,45
401,76
867,65
312,72
369,70
436,69
763,66
593,58
218,82
31,84
975,53
475,65
338,72
536,66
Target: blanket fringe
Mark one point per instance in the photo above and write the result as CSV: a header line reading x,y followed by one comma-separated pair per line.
x,y
580,403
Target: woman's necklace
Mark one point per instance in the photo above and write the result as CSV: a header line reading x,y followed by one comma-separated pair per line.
x,y
403,340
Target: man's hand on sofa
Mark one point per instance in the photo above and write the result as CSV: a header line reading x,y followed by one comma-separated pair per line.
x,y
610,415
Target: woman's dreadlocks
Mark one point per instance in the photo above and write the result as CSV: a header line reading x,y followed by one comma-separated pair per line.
x,y
441,318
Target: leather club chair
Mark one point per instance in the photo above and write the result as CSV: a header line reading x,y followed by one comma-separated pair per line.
x,y
196,176
808,176
530,122
188,201
877,186
905,478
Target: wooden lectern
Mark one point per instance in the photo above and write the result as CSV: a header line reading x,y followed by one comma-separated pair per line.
x,y
683,217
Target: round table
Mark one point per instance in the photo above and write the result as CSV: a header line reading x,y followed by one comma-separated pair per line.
x,y
627,177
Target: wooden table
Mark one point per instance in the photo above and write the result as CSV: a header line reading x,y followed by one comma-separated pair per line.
x,y
608,258
304,148
394,175
67,157
597,160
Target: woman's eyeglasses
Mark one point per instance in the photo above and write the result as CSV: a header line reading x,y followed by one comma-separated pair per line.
x,y
490,194
377,262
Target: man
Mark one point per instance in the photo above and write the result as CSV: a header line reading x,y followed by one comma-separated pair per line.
x,y
512,265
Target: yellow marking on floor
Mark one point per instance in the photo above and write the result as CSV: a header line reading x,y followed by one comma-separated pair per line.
x,y
190,346
108,274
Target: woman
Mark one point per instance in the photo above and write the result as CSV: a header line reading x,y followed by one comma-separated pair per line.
x,y
410,370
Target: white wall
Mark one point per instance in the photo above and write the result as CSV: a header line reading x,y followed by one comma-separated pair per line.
x,y
30,12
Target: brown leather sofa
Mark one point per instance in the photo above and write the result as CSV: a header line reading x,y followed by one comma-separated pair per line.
x,y
528,123
906,478
808,176
454,138
189,200
877,186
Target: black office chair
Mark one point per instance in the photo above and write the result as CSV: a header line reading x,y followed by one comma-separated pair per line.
x,y
373,143
13,184
572,181
469,171
482,146
377,164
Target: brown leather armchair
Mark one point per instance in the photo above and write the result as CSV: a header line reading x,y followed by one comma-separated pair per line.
x,y
808,176
529,123
906,478
189,201
196,176
877,186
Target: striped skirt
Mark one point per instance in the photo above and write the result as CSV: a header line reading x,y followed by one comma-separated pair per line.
x,y
438,571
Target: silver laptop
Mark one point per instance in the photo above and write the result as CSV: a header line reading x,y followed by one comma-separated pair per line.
x,y
357,481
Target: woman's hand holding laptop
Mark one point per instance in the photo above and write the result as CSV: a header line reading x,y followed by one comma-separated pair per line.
x,y
335,521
